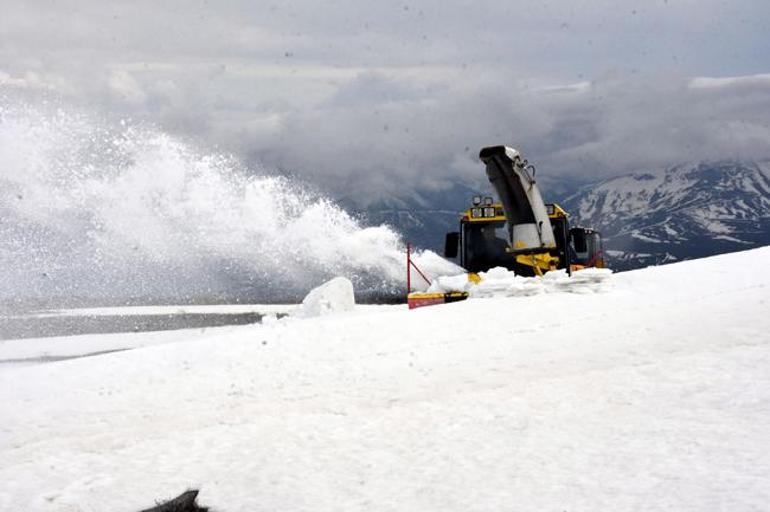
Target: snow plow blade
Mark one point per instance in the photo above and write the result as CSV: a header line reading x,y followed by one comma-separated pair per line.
x,y
420,299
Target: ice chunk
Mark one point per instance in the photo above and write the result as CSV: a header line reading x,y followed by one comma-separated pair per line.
x,y
331,297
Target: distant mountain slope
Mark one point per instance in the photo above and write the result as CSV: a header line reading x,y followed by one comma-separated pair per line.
x,y
681,212
422,219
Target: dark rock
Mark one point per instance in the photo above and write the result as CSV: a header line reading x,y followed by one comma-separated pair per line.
x,y
185,502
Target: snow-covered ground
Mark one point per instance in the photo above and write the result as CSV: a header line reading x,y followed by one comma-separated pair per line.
x,y
650,394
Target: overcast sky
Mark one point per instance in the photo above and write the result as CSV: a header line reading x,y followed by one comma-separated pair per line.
x,y
366,96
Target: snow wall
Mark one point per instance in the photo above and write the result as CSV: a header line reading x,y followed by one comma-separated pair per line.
x,y
93,209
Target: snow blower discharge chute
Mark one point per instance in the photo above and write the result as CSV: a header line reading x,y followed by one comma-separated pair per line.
x,y
520,233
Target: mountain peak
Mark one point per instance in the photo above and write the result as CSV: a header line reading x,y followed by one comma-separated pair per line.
x,y
679,211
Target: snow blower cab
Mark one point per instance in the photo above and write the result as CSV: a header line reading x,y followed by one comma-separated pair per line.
x,y
482,242
521,232
586,247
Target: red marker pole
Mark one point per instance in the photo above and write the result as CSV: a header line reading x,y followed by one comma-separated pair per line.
x,y
408,268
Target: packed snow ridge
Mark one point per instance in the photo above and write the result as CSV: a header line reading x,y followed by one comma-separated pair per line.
x,y
501,282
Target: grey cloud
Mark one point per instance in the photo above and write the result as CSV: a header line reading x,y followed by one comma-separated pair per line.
x,y
598,129
375,98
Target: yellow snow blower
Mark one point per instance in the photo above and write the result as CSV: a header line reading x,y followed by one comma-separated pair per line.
x,y
520,233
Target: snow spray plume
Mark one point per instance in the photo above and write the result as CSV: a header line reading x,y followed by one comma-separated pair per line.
x,y
122,211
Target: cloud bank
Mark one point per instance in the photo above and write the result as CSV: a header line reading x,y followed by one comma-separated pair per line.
x,y
369,99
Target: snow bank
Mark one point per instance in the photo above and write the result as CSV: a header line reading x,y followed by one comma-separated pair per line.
x,y
331,297
501,282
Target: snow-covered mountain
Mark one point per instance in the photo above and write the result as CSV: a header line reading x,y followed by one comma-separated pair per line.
x,y
677,213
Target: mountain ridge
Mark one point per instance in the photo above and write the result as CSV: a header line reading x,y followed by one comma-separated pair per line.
x,y
678,212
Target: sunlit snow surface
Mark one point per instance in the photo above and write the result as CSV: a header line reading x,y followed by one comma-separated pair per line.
x,y
653,394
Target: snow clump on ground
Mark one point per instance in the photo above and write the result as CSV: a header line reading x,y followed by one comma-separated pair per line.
x,y
333,296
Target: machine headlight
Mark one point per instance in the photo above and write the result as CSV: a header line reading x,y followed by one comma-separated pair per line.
x,y
487,201
489,212
550,210
476,200
476,212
